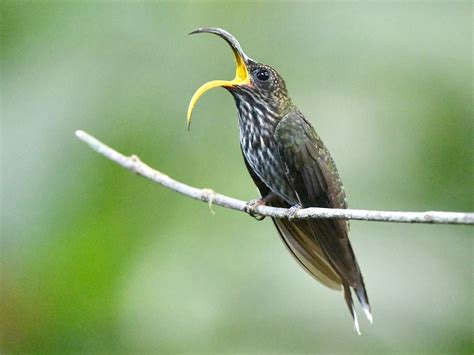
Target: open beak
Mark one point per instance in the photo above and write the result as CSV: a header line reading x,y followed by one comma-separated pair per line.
x,y
241,73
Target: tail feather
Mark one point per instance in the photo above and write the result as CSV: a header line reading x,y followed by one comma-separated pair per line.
x,y
350,305
364,299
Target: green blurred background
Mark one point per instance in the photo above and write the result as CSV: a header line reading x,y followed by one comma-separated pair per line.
x,y
96,259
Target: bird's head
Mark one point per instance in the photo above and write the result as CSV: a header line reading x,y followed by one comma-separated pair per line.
x,y
254,83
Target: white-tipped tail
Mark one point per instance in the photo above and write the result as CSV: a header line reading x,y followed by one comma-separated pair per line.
x,y
350,305
368,314
356,322
364,301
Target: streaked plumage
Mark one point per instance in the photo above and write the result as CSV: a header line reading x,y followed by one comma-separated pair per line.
x,y
288,161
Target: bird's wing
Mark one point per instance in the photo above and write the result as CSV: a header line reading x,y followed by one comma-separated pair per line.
x,y
296,237
313,176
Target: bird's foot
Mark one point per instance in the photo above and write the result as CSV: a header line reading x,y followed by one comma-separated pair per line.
x,y
292,212
252,205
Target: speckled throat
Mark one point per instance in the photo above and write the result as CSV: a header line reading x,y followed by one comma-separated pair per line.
x,y
257,123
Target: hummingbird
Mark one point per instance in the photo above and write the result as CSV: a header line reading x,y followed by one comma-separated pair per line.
x,y
292,168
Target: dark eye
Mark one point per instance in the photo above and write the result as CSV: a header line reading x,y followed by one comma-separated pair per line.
x,y
263,75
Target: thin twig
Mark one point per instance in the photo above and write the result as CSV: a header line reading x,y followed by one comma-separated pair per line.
x,y
134,164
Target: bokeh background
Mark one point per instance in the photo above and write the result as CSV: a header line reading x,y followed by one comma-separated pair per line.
x,y
94,258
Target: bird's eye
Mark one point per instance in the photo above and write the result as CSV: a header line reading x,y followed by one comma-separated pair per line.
x,y
263,75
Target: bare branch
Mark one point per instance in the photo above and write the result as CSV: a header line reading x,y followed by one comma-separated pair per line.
x,y
134,164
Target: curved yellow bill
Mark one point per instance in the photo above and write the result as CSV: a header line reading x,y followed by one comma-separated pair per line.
x,y
241,78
